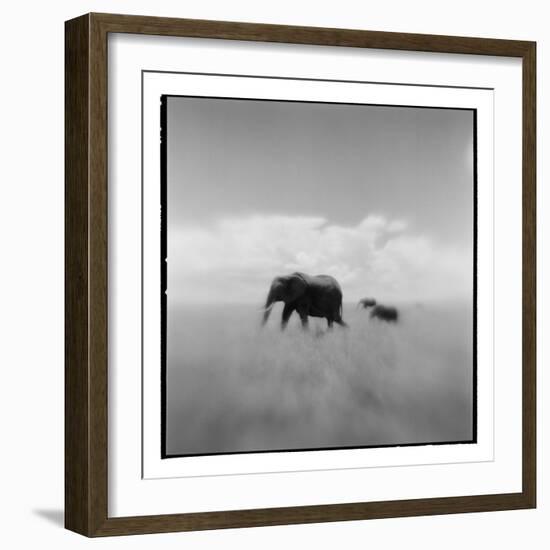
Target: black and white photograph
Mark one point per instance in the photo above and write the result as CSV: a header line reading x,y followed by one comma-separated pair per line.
x,y
318,275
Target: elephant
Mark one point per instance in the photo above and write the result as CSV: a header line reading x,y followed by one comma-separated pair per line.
x,y
365,303
385,313
310,296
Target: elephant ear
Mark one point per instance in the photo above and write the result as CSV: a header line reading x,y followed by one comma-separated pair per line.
x,y
296,286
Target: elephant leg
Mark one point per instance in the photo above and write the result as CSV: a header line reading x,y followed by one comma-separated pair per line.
x,y
287,312
302,312
329,321
338,318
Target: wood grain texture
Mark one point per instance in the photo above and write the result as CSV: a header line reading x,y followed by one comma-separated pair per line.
x,y
165,26
529,274
311,514
77,153
86,412
98,275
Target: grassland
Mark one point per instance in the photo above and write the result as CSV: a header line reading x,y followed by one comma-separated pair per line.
x,y
232,386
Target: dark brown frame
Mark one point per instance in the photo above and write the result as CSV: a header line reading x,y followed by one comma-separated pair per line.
x,y
86,284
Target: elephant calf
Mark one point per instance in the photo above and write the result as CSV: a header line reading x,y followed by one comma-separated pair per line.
x,y
385,313
365,303
308,295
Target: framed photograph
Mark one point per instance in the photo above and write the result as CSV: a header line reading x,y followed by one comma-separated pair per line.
x,y
300,274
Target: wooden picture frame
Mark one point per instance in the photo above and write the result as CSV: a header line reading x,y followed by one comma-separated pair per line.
x,y
86,281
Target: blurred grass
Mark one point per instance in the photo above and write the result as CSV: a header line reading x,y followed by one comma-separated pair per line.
x,y
234,387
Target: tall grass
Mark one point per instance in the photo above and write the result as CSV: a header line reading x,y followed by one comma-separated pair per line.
x,y
232,386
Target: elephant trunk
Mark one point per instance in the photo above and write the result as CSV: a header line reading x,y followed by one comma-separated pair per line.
x,y
269,303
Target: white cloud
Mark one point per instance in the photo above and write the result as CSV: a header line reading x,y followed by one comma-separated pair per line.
x,y
236,259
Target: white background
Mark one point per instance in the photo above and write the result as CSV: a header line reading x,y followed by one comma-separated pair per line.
x,y
31,300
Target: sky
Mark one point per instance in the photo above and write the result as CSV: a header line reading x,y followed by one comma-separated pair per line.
x,y
381,197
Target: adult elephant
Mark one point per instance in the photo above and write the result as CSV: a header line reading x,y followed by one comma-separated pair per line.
x,y
365,303
309,296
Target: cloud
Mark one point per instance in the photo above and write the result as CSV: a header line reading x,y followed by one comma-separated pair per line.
x,y
234,260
